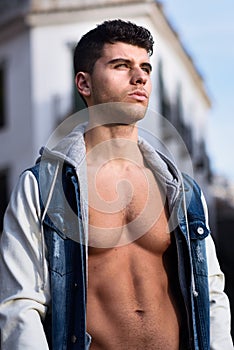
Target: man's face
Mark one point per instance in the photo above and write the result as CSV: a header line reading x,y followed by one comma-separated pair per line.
x,y
122,75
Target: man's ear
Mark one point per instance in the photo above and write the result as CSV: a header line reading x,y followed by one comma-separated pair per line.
x,y
82,81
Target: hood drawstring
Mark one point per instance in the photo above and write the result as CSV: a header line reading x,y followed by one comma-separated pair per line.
x,y
195,293
46,206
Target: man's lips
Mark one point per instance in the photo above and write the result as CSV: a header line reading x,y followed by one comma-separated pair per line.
x,y
139,95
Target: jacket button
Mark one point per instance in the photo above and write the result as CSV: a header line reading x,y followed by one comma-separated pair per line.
x,y
73,339
200,230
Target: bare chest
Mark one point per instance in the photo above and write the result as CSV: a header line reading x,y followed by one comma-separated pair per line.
x,y
125,207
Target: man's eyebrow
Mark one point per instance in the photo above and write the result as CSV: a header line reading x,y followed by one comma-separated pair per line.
x,y
147,64
121,59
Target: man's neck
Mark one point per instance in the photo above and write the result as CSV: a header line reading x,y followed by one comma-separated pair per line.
x,y
112,142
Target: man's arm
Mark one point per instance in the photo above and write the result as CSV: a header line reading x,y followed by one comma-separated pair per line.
x,y
220,319
220,315
24,286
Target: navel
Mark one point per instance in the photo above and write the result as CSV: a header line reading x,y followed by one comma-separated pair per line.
x,y
140,313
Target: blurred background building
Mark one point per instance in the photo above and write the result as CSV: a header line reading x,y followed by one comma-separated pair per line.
x,y
37,91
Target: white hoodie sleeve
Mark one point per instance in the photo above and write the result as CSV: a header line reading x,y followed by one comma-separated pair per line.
x,y
220,315
220,319
24,278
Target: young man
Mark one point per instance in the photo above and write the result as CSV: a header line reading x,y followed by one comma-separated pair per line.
x,y
106,245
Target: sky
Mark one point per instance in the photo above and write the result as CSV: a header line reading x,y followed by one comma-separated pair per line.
x,y
206,29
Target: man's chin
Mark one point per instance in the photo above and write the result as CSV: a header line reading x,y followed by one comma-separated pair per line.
x,y
118,113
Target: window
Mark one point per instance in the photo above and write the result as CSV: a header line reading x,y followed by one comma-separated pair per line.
x,y
78,103
164,103
2,96
4,178
178,115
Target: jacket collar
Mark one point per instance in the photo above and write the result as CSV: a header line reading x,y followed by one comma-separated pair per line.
x,y
71,149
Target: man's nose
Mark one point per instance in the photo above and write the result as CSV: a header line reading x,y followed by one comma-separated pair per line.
x,y
139,76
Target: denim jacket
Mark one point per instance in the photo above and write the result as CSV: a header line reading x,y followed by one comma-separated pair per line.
x,y
56,252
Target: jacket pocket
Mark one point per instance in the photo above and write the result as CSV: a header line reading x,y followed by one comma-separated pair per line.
x,y
60,252
198,232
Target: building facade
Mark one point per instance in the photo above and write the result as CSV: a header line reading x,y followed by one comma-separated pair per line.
x,y
37,92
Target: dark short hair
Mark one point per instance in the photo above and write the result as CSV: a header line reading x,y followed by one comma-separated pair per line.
x,y
89,48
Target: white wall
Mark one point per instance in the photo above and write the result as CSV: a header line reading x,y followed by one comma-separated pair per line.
x,y
16,137
41,81
52,73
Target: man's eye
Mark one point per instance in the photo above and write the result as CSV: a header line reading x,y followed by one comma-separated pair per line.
x,y
121,65
146,69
